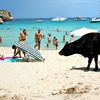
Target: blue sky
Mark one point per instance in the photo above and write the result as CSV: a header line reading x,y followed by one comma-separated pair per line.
x,y
51,8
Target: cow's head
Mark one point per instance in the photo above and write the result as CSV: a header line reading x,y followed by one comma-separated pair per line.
x,y
67,50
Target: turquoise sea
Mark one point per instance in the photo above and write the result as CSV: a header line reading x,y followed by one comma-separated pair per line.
x,y
10,30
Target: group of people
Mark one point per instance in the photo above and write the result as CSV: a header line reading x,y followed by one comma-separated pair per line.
x,y
38,36
22,38
55,41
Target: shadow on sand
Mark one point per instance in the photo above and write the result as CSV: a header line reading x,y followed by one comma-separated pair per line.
x,y
84,69
12,60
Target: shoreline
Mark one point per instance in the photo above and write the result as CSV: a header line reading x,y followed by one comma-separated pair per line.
x,y
13,28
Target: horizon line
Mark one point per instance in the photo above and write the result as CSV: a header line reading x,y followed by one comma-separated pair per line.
x,y
48,17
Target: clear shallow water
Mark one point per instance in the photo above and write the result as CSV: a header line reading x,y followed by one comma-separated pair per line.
x,y
10,30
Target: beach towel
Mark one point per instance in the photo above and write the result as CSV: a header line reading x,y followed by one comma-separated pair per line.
x,y
10,59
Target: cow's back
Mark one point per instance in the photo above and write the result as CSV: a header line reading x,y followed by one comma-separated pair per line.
x,y
92,40
88,44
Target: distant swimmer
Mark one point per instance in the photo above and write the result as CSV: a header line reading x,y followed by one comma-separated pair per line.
x,y
63,38
66,33
57,30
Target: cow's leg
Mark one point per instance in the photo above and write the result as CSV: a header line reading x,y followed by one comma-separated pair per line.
x,y
96,62
89,62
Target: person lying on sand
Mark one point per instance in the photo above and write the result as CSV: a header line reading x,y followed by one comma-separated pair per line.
x,y
1,56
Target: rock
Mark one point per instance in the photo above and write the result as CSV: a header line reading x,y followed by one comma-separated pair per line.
x,y
80,89
5,15
1,21
54,92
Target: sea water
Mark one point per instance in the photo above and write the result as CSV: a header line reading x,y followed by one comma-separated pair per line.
x,y
10,30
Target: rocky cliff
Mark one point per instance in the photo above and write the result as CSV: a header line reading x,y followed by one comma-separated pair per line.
x,y
5,15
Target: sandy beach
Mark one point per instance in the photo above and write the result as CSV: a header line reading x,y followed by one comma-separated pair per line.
x,y
57,78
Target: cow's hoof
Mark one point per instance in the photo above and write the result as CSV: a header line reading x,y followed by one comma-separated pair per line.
x,y
87,69
95,69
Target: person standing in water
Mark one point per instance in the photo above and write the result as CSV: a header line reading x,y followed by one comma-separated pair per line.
x,y
49,40
71,38
0,39
63,38
24,34
55,42
38,36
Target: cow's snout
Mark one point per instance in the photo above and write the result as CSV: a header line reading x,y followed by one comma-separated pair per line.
x,y
60,53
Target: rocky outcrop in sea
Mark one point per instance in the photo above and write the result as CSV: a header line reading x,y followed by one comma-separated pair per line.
x,y
5,15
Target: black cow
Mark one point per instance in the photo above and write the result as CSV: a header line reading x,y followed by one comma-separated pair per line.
x,y
88,46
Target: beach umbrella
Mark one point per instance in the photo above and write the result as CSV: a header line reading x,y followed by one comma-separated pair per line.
x,y
82,31
29,50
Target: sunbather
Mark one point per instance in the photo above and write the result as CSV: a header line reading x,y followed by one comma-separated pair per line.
x,y
1,56
16,51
